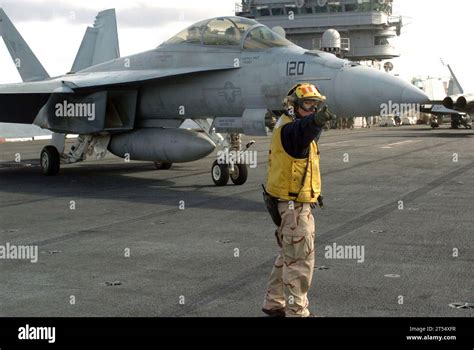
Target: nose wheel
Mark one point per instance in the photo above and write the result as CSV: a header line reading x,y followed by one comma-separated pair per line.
x,y
220,173
50,161
240,174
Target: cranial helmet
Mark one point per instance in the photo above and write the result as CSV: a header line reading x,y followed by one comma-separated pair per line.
x,y
300,93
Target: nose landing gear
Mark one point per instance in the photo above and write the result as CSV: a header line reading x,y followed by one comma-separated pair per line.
x,y
222,171
225,168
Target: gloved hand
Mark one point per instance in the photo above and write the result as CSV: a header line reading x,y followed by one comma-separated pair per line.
x,y
323,116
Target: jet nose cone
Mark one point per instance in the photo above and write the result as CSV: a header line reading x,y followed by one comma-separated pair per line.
x,y
362,91
412,94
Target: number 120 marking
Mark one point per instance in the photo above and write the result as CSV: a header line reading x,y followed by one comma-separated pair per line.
x,y
295,68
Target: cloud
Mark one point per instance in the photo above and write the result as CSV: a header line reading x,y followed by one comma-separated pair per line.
x,y
140,16
26,11
147,16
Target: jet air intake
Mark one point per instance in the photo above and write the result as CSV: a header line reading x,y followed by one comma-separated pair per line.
x,y
162,145
465,102
448,102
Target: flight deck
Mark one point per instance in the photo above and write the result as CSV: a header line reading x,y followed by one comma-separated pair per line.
x,y
120,238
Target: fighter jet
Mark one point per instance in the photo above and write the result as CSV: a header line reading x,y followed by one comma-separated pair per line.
x,y
225,73
457,105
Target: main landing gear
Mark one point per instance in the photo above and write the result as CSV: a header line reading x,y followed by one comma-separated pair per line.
x,y
50,161
52,156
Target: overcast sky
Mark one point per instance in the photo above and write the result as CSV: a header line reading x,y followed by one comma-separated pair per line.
x,y
54,30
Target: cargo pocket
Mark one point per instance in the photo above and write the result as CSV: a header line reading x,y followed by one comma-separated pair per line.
x,y
298,222
297,248
306,221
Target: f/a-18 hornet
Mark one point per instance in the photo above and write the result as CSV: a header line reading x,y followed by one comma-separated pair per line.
x,y
228,74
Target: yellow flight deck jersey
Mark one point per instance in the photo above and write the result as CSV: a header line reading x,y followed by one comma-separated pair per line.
x,y
286,174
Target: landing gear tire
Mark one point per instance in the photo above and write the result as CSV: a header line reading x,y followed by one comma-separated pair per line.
x,y
240,174
163,165
220,173
50,161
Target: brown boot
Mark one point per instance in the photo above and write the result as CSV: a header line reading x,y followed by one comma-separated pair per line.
x,y
275,312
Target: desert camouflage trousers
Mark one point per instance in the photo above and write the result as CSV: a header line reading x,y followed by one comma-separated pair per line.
x,y
292,272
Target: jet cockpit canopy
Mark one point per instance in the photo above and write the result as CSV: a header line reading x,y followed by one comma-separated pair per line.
x,y
230,31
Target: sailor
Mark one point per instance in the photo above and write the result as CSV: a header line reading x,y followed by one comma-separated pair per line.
x,y
295,180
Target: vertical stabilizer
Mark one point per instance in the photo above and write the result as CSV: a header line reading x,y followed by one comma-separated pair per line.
x,y
28,65
100,43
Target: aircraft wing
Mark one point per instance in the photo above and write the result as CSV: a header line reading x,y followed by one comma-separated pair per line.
x,y
438,108
130,77
22,102
454,104
100,80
